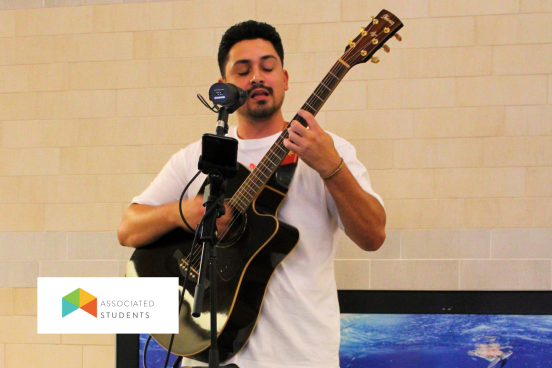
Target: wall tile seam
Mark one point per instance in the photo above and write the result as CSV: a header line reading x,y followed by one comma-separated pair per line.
x,y
513,75
472,15
441,259
132,31
494,76
74,260
69,203
516,259
60,35
78,175
421,139
109,60
119,61
516,44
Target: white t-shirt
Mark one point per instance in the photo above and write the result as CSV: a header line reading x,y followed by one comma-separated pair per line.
x,y
298,326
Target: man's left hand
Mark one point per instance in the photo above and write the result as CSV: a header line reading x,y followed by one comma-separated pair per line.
x,y
313,145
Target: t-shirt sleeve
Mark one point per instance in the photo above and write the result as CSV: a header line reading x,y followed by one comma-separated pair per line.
x,y
348,152
169,183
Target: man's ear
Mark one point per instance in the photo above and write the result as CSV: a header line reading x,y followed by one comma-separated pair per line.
x,y
286,80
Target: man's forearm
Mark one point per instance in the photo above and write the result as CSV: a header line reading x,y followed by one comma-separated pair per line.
x,y
143,224
362,215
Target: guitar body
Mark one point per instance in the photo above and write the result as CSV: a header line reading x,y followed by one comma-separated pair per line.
x,y
244,271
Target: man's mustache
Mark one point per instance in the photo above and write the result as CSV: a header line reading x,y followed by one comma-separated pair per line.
x,y
257,86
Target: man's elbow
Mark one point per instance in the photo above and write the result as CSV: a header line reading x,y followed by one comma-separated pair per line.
x,y
123,235
373,241
126,232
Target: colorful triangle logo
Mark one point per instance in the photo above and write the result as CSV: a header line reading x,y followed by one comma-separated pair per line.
x,y
79,299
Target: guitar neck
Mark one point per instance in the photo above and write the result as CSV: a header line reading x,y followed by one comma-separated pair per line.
x,y
254,183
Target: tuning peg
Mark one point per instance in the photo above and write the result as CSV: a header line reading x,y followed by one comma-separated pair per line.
x,y
374,20
398,37
386,48
362,29
375,59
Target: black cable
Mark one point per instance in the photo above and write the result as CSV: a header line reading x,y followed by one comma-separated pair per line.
x,y
214,108
180,202
177,362
145,350
194,243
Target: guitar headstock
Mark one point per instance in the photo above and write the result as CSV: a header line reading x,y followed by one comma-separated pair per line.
x,y
371,38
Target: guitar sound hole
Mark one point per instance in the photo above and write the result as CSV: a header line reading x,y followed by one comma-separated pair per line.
x,y
234,233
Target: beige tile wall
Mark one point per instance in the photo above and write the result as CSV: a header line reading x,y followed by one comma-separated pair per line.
x,y
455,126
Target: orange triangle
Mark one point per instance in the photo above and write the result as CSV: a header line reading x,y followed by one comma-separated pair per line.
x,y
91,308
85,297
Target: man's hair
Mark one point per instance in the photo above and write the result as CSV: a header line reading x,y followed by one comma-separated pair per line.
x,y
249,30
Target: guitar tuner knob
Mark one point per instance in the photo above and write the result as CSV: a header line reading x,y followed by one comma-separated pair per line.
x,y
375,60
386,48
374,20
362,29
398,37
386,30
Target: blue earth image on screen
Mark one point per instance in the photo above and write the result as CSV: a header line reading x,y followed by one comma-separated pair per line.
x,y
445,341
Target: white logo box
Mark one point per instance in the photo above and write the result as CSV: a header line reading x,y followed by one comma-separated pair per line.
x,y
124,305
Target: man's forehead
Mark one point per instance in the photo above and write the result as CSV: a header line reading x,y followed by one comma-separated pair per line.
x,y
252,50
247,61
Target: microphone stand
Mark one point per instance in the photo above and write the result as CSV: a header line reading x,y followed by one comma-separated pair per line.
x,y
207,230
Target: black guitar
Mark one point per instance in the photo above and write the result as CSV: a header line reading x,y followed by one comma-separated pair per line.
x,y
256,243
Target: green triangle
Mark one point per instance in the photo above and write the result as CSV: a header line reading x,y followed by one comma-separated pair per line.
x,y
67,308
73,297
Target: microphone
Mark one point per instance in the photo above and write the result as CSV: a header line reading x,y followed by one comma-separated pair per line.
x,y
228,95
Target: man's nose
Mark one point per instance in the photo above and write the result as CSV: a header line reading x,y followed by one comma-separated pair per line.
x,y
257,78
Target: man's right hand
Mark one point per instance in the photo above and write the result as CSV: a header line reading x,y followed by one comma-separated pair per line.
x,y
143,224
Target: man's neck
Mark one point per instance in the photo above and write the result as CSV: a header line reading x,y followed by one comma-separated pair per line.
x,y
253,129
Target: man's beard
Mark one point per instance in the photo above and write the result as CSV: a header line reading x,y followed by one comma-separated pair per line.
x,y
261,112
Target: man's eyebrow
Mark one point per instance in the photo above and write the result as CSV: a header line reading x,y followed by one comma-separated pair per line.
x,y
247,61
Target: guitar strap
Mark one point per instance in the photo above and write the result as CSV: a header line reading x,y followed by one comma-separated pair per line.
x,y
284,172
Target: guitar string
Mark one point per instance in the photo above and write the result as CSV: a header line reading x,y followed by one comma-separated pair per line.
x,y
285,134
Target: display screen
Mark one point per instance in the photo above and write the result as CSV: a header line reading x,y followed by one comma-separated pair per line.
x,y
429,329
432,341
445,341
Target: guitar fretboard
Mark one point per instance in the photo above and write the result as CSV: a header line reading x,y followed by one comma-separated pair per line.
x,y
248,191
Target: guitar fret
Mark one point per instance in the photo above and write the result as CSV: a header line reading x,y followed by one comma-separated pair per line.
x,y
333,75
309,105
320,98
329,89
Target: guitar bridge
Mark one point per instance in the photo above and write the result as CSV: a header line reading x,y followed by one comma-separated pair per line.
x,y
183,265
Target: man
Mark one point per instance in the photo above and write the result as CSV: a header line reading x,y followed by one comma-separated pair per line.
x,y
299,322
